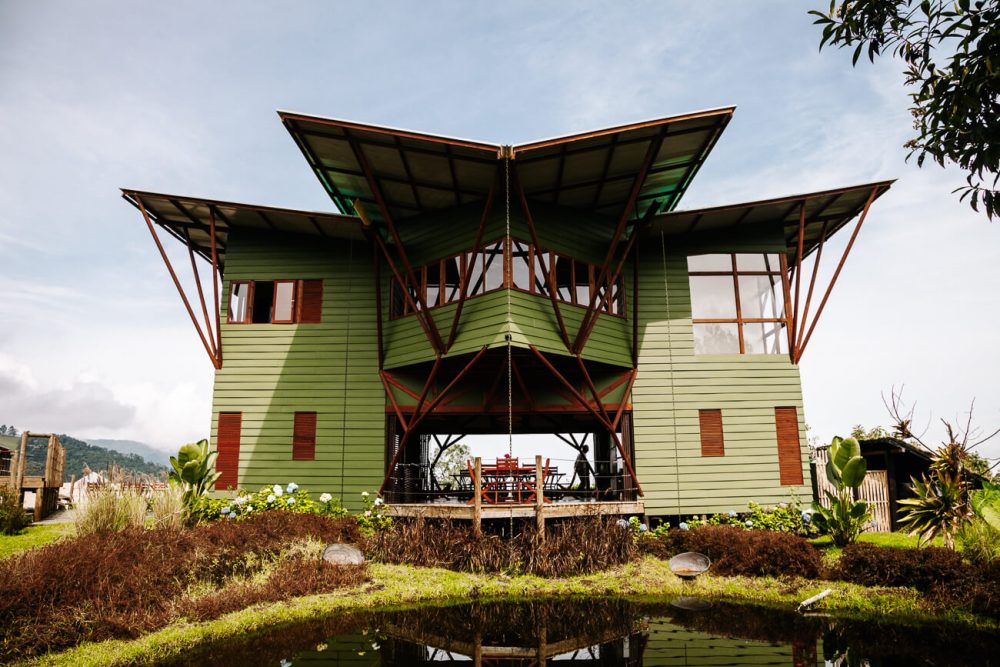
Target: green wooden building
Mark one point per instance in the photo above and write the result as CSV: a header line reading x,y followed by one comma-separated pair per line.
x,y
549,288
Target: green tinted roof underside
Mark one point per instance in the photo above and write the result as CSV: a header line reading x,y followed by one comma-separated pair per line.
x,y
189,220
418,173
826,212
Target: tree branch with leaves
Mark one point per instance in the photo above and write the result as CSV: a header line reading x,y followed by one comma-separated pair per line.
x,y
951,57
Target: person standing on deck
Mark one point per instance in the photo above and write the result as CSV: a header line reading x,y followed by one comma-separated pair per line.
x,y
582,468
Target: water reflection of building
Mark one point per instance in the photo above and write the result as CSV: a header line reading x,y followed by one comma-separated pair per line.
x,y
405,647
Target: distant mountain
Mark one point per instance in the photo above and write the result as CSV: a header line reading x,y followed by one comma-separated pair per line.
x,y
80,453
133,447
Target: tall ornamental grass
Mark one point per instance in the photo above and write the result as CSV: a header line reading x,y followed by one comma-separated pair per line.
x,y
168,508
110,510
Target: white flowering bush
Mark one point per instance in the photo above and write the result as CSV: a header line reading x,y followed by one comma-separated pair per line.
x,y
375,515
288,497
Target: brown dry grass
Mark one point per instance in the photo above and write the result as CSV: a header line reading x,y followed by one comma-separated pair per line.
x,y
579,546
121,584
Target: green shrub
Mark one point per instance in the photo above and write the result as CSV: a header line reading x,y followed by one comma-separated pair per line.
x,y
846,517
980,541
194,470
13,519
110,510
783,518
374,517
168,508
290,498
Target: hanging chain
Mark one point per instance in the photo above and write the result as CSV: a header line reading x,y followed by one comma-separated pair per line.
x,y
509,257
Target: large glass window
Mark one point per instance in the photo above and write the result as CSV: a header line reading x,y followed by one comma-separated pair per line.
x,y
525,269
738,304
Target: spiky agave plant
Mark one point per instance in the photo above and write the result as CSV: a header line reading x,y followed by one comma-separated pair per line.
x,y
846,470
194,470
942,504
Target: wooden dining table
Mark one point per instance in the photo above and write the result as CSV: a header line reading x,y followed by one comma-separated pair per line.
x,y
506,482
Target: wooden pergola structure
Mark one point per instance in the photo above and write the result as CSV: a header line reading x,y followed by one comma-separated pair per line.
x,y
46,485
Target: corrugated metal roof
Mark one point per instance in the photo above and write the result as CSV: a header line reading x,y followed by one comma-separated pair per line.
x,y
189,220
414,173
825,213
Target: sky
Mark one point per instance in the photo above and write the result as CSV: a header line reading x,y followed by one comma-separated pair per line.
x,y
181,97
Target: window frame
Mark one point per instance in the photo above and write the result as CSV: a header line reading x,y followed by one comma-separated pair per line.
x,y
293,311
781,272
248,310
296,305
399,306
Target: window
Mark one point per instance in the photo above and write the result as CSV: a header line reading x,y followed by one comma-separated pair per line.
x,y
440,282
786,422
710,427
304,436
283,310
227,444
275,301
738,303
239,302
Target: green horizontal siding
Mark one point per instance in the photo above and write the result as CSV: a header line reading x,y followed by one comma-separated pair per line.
x,y
673,384
271,371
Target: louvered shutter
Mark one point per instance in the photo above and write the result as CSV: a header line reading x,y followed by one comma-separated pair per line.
x,y
710,424
786,422
304,437
227,441
311,301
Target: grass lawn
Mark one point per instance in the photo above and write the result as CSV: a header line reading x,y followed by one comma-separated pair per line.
x,y
899,540
33,536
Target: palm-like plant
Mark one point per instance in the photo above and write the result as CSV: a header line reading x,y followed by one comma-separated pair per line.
x,y
846,470
943,502
194,470
939,508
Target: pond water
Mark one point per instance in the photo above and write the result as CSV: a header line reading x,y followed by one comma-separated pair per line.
x,y
574,632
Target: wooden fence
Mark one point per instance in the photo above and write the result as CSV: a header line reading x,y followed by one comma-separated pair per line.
x,y
874,490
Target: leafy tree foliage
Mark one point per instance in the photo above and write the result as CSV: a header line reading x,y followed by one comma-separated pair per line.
x,y
951,52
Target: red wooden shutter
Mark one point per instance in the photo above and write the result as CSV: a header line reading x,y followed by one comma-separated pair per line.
x,y
786,421
310,301
227,443
710,423
304,437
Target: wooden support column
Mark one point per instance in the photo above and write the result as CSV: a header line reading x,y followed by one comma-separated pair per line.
x,y
586,405
836,273
216,280
419,416
378,307
400,248
546,270
635,307
477,489
798,274
21,459
640,178
177,283
463,295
